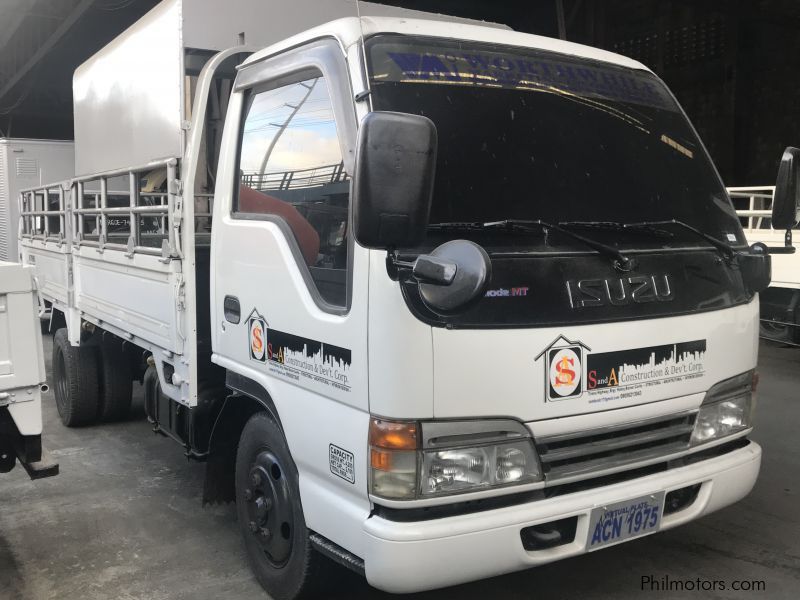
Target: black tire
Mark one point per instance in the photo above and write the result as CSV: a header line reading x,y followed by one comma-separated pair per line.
x,y
152,392
76,379
116,381
275,537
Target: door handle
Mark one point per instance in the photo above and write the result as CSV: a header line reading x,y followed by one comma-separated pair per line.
x,y
232,309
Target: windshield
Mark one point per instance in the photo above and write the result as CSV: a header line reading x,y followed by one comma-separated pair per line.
x,y
527,134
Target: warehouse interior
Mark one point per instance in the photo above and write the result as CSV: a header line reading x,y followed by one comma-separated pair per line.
x,y
731,64
134,516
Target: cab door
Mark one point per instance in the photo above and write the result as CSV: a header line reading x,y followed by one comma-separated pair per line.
x,y
288,285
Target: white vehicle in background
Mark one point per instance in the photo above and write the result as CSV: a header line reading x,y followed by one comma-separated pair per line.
x,y
25,163
780,303
22,375
398,303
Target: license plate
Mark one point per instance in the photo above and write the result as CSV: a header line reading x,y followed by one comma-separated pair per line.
x,y
614,523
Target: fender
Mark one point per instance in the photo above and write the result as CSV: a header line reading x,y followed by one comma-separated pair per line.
x,y
247,398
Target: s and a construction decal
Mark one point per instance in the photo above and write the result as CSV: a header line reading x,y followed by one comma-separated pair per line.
x,y
572,370
342,463
298,357
644,367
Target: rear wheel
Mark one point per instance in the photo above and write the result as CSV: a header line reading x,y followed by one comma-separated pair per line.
x,y
271,516
116,379
76,378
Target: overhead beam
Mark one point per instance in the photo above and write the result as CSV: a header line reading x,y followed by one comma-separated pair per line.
x,y
56,36
15,20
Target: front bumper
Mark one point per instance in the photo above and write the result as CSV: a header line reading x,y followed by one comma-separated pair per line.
x,y
406,557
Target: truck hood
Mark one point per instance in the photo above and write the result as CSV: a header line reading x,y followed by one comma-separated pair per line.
x,y
546,373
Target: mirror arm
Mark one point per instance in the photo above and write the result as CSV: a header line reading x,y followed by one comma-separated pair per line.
x,y
399,270
788,238
424,269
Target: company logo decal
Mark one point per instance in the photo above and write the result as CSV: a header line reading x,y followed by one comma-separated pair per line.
x,y
565,372
564,368
298,358
572,370
649,365
257,335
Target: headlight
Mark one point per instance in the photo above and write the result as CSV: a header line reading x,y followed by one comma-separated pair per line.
x,y
411,460
727,408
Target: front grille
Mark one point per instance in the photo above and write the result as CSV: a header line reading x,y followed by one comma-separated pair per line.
x,y
607,449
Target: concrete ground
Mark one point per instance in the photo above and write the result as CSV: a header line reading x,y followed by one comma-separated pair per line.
x,y
124,521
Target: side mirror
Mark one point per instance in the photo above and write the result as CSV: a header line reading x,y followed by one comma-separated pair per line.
x,y
393,186
756,267
786,202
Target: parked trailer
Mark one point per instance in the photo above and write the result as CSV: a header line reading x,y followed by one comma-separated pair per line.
x,y
350,303
780,303
22,375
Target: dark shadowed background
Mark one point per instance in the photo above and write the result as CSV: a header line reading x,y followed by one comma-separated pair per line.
x,y
732,64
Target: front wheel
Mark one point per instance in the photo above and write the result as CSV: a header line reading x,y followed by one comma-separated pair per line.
x,y
271,516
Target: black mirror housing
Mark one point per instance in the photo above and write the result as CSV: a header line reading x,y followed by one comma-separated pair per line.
x,y
393,181
472,273
756,268
786,201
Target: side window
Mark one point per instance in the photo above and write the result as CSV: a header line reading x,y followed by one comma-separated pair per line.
x,y
291,167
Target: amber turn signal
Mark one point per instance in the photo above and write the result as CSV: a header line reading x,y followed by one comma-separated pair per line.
x,y
393,435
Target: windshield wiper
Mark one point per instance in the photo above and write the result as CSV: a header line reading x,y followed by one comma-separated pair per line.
x,y
728,250
621,261
616,226
651,227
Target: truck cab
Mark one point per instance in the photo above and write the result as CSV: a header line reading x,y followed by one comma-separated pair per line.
x,y
459,301
592,349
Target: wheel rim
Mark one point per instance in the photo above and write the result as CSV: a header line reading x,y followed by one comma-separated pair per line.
x,y
61,381
270,516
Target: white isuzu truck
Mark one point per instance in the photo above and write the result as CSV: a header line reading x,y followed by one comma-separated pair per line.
x,y
436,300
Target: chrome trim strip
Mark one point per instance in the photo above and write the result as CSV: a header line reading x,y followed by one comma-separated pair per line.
x,y
596,467
578,450
437,434
617,427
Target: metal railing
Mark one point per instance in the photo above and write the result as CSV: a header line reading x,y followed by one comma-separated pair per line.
x,y
759,211
84,212
298,179
161,205
37,216
757,217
